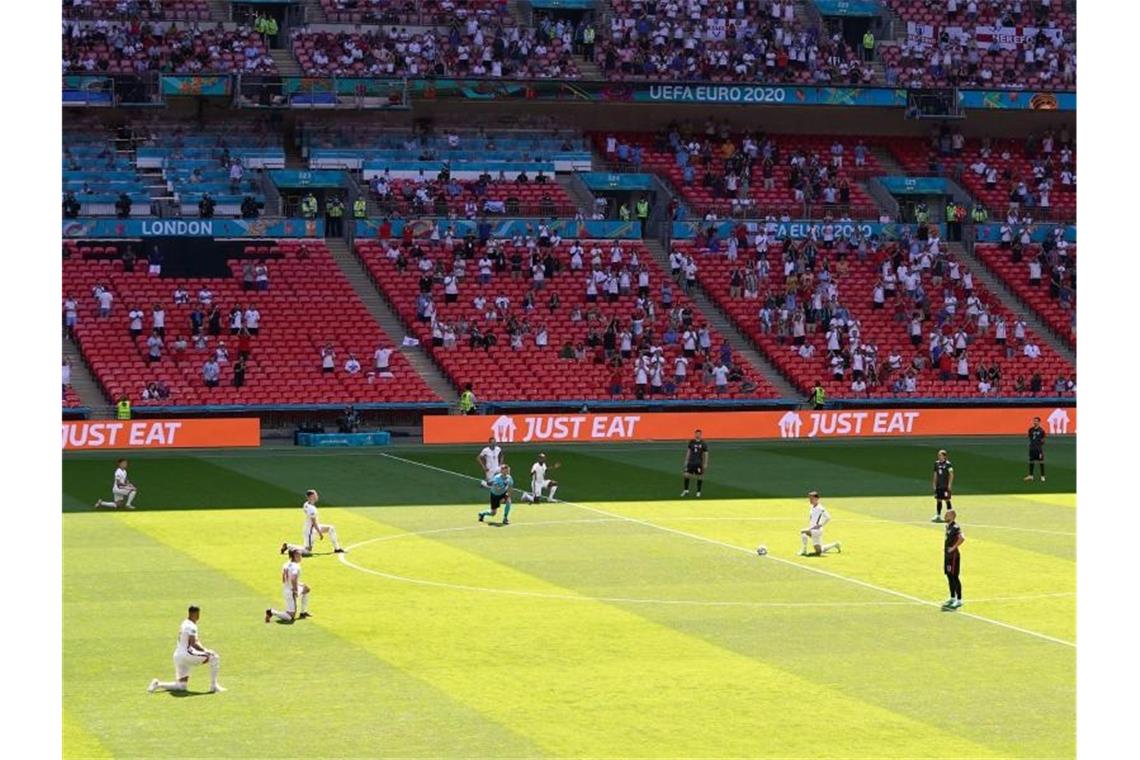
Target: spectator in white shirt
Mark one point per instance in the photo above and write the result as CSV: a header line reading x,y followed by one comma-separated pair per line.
x,y
328,359
381,361
1031,350
352,366
720,377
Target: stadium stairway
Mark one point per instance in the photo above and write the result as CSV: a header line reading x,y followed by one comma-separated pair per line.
x,y
287,65
84,383
725,327
997,287
582,198
370,296
219,9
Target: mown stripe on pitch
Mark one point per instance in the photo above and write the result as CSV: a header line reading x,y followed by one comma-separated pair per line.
x,y
128,579
78,742
595,679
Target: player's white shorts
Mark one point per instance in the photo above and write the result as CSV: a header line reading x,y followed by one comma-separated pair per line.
x,y
538,486
183,663
119,494
493,472
290,600
817,536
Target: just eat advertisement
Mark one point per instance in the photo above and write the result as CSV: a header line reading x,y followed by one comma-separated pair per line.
x,y
676,426
161,434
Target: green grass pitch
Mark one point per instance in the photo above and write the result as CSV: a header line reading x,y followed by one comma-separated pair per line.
x,y
626,622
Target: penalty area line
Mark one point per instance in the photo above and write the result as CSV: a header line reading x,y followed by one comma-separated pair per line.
x,y
734,547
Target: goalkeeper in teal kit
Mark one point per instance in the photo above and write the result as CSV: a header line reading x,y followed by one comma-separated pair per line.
x,y
500,487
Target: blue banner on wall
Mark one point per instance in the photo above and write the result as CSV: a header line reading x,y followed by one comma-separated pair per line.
x,y
896,185
294,178
608,181
1018,100
797,229
202,228
847,7
502,228
991,233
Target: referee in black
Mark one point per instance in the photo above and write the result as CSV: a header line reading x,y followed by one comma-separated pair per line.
x,y
942,481
952,560
1036,448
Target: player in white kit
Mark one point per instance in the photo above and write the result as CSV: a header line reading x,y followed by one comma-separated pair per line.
x,y
190,653
121,490
291,588
491,459
313,528
816,520
538,481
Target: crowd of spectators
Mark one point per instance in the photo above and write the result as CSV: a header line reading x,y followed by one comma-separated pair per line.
x,y
808,296
190,10
406,12
722,172
527,194
950,47
137,47
723,41
470,48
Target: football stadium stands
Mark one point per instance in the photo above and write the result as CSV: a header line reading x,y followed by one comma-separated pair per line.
x,y
1052,293
752,175
117,48
885,330
307,308
511,309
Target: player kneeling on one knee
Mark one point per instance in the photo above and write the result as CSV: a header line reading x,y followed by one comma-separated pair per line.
x,y
816,520
291,589
538,481
190,653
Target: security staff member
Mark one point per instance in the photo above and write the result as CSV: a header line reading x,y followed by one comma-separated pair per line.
x,y
942,481
979,215
360,208
334,217
309,206
467,400
642,209
1036,448
818,396
588,36
952,560
123,409
868,45
623,212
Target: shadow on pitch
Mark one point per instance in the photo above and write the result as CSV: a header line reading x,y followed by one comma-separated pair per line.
x,y
187,693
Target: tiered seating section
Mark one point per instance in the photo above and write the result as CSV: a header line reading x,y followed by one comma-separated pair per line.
x,y
532,373
706,187
764,42
1054,298
115,48
958,49
308,305
425,12
1036,175
146,10
96,174
199,163
471,49
472,198
879,328
374,149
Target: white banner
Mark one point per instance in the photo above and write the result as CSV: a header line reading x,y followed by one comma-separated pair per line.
x,y
1008,37
715,29
919,33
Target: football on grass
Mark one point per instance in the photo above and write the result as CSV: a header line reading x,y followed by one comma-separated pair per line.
x,y
761,550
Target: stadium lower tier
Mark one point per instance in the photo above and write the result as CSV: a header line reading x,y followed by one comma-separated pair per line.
x,y
527,371
887,330
1052,295
306,307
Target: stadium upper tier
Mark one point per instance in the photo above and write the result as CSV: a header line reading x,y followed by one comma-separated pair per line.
x,y
503,330
471,49
145,10
120,48
306,308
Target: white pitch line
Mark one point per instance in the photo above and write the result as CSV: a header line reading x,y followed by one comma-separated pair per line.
x,y
615,599
817,570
